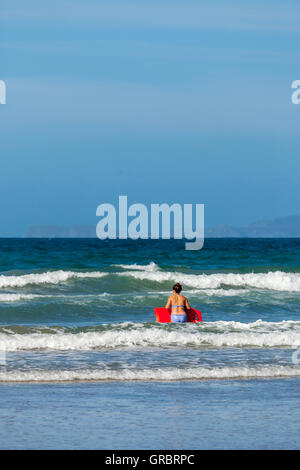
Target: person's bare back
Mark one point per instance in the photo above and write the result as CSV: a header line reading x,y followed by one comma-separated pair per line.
x,y
179,305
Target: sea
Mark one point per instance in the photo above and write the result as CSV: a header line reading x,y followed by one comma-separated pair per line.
x,y
84,364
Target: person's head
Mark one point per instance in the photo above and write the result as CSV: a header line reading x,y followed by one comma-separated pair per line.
x,y
177,288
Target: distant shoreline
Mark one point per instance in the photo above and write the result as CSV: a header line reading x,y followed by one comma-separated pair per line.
x,y
282,227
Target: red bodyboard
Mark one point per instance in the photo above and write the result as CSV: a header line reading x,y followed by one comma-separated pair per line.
x,y
163,315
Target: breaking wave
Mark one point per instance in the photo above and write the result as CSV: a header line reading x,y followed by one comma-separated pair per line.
x,y
219,334
49,277
159,374
278,280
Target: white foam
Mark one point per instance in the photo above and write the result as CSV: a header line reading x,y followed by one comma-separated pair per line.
x,y
160,374
151,267
219,334
17,297
278,280
220,292
50,277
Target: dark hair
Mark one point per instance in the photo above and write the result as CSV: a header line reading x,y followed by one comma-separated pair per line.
x,y
177,288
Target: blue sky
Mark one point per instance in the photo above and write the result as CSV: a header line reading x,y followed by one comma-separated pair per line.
x,y
163,101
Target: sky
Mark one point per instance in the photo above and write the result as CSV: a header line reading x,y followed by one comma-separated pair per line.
x,y
160,100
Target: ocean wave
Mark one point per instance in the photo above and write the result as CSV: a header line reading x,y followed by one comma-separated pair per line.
x,y
278,280
151,267
17,297
49,277
220,334
158,375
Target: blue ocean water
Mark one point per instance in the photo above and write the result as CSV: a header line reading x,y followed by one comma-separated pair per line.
x,y
79,343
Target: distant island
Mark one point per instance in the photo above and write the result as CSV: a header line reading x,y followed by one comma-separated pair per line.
x,y
55,231
282,227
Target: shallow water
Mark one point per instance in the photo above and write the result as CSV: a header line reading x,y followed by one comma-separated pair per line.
x,y
248,414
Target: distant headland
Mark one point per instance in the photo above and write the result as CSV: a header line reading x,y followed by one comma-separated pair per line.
x,y
282,227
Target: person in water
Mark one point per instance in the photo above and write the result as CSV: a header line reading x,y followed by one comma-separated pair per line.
x,y
179,305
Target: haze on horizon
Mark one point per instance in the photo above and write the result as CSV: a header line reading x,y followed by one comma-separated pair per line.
x,y
162,101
